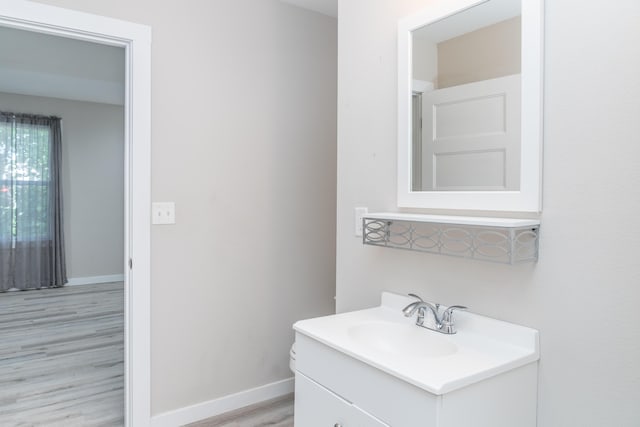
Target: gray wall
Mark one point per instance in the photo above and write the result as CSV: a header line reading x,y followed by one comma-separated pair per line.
x,y
244,141
583,294
93,180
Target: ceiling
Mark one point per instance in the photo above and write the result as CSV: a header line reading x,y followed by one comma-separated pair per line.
x,y
326,7
470,19
58,67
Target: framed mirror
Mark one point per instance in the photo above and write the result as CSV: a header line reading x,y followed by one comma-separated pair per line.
x,y
470,106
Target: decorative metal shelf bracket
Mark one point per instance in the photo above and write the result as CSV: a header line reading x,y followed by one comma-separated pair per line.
x,y
488,239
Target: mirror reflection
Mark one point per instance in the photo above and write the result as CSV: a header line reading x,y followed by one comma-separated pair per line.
x,y
466,100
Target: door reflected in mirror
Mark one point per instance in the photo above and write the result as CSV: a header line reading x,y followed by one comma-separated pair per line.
x,y
466,100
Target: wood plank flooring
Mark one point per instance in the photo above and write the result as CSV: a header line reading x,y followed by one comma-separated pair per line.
x,y
62,356
62,362
274,413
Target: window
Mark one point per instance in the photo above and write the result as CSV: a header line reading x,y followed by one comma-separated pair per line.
x,y
25,176
32,252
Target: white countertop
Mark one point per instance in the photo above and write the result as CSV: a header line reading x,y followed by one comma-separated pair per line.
x,y
485,347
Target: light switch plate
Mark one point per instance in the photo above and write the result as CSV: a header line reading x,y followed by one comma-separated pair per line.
x,y
359,213
163,213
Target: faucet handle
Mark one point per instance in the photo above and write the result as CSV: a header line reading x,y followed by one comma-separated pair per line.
x,y
447,316
417,297
410,309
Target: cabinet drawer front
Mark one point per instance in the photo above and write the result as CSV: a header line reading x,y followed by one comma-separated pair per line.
x,y
389,399
315,406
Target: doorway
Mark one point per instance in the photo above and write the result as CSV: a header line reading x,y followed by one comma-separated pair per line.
x,y
135,39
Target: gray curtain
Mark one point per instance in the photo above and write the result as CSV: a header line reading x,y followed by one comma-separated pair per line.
x,y
31,229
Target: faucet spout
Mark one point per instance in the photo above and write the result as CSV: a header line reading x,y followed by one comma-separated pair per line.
x,y
442,324
410,309
421,305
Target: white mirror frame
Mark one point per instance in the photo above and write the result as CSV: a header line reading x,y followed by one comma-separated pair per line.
x,y
529,197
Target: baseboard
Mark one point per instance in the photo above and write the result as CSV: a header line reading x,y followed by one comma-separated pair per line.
x,y
76,281
204,410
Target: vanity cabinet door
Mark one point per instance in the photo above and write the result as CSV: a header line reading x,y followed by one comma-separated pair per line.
x,y
377,393
315,406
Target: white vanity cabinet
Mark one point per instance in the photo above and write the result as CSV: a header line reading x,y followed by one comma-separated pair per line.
x,y
318,407
335,389
375,367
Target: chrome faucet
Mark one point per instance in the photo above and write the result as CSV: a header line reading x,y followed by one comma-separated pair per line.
x,y
443,324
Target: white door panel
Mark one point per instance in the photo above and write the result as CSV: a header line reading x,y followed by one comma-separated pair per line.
x,y
471,136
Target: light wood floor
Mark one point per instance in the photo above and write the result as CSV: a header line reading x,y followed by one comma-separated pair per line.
x,y
62,362
274,413
62,356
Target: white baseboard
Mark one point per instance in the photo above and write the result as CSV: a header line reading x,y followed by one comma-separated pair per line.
x,y
204,410
75,281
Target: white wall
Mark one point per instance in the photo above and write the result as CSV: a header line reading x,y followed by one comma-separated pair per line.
x,y
583,294
425,60
92,180
243,140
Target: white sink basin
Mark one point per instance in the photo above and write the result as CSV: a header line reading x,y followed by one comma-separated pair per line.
x,y
382,337
401,340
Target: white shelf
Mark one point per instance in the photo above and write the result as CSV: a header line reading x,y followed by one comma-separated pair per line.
x,y
461,220
503,240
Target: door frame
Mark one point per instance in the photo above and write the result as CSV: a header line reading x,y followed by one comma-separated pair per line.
x,y
136,40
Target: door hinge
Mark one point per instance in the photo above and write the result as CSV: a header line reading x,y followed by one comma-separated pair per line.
x,y
130,263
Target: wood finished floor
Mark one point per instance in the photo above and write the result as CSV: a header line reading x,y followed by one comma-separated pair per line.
x,y
62,362
274,413
62,356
